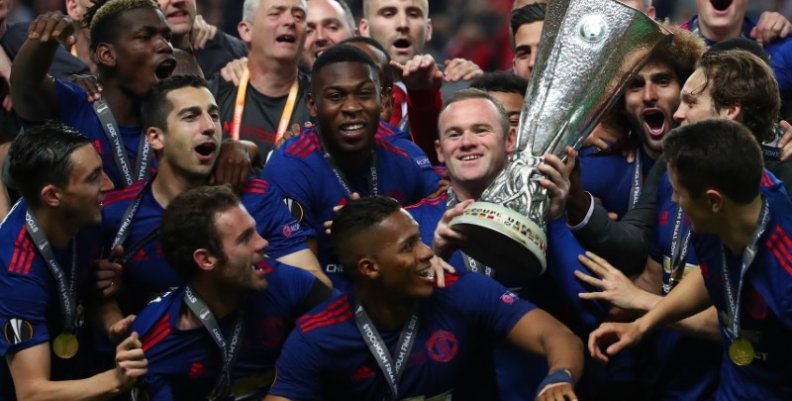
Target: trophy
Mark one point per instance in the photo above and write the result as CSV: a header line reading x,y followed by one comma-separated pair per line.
x,y
588,51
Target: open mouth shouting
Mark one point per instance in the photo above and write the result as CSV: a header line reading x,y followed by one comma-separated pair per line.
x,y
206,151
165,68
655,123
287,39
721,5
402,45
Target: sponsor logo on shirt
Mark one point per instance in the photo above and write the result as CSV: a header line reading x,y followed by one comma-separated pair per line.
x,y
442,346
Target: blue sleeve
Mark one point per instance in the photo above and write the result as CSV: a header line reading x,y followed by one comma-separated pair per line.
x,y
781,62
429,177
72,101
495,308
291,177
294,284
298,370
562,260
275,223
23,305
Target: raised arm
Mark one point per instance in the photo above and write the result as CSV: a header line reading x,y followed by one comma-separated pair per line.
x,y
33,93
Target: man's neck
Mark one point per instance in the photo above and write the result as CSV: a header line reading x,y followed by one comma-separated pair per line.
x,y
271,77
739,227
125,106
168,184
220,302
57,231
465,192
719,34
653,154
386,312
182,42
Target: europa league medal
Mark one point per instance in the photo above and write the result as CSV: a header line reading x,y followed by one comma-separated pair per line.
x,y
588,50
741,352
65,345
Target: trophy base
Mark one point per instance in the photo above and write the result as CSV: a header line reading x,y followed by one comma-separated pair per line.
x,y
503,239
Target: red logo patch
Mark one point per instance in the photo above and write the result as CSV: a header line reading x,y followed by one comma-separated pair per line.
x,y
362,373
287,231
508,298
442,346
664,218
196,370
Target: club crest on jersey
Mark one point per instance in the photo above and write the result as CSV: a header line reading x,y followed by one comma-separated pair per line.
x,y
508,297
295,208
442,346
17,331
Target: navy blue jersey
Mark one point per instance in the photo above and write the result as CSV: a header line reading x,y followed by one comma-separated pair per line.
x,y
147,273
326,357
766,307
609,178
312,189
77,111
184,364
30,308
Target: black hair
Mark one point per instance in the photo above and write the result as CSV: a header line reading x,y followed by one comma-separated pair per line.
x,y
716,153
342,54
189,223
42,156
500,81
388,72
103,17
528,14
156,107
354,219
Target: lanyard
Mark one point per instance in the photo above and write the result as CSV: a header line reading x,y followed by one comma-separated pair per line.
x,y
732,302
373,179
679,251
126,220
392,369
229,350
239,107
66,291
637,182
470,264
110,128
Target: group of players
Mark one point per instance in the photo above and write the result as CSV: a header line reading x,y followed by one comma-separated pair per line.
x,y
282,231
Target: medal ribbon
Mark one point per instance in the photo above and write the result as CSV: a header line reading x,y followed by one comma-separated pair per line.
x,y
229,350
373,179
732,302
66,292
392,369
637,182
679,251
239,107
111,131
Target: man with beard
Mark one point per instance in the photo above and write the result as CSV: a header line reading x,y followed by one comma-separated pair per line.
x,y
183,129
47,244
346,152
222,332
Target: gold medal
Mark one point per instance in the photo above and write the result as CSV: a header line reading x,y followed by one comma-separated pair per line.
x,y
741,352
65,345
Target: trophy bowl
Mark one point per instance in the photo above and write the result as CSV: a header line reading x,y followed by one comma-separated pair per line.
x,y
588,51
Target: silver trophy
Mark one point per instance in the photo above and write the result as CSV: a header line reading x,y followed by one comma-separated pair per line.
x,y
588,51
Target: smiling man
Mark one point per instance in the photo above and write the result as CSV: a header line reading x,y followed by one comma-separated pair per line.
x,y
221,332
48,246
347,152
438,336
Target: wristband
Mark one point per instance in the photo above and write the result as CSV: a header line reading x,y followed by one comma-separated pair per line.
x,y
555,377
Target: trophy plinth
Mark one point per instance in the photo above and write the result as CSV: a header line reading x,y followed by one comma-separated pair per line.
x,y
499,236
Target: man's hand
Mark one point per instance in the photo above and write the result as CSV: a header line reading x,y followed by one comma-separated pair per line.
x,y
439,268
614,337
118,331
108,273
233,164
328,225
460,69
557,391
90,84
232,72
613,285
130,362
785,143
419,73
291,133
557,180
771,26
201,32
53,25
445,239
